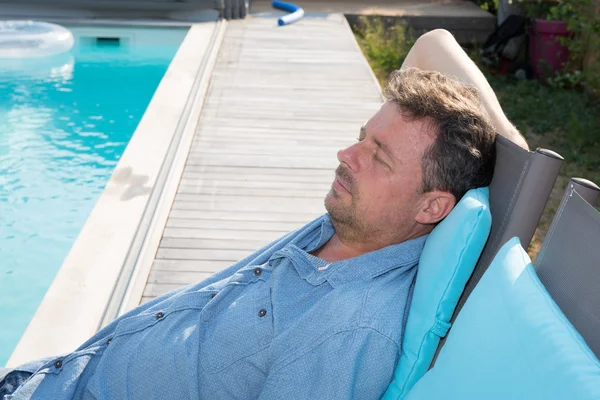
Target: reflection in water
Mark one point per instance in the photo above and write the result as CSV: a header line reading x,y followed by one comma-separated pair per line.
x,y
64,123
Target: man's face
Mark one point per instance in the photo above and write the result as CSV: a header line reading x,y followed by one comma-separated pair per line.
x,y
377,186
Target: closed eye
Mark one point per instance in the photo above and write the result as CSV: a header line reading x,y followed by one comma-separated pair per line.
x,y
381,161
362,136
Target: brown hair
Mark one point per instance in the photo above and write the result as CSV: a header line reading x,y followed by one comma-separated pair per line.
x,y
462,156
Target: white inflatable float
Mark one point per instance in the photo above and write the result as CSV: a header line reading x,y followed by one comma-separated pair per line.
x,y
33,39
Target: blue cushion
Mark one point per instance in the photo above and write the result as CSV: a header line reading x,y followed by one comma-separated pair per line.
x,y
448,259
511,341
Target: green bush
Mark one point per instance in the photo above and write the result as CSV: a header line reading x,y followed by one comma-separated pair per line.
x,y
385,47
488,5
584,27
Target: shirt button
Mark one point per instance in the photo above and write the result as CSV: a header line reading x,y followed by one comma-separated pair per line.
x,y
57,364
262,312
258,271
159,315
108,341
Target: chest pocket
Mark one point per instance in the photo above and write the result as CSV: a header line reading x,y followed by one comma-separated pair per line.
x,y
236,325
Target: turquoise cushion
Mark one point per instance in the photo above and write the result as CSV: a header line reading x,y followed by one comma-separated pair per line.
x,y
511,341
448,259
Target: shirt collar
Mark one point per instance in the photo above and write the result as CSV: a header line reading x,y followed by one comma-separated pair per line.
x,y
364,267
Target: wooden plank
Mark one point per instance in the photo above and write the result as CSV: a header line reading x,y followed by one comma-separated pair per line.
x,y
292,115
263,161
295,217
266,236
187,243
273,131
274,180
294,56
307,123
258,203
365,93
243,140
231,147
202,254
257,94
180,277
274,141
208,124
208,266
233,225
234,171
254,183
158,289
254,204
313,193
326,158
238,198
307,101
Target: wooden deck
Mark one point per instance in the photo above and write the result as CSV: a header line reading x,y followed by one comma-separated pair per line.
x,y
282,101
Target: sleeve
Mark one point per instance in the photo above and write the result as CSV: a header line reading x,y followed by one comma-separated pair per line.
x,y
356,364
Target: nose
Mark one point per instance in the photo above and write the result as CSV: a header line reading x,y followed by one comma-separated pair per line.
x,y
350,157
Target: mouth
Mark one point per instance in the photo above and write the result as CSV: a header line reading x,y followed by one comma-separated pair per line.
x,y
344,181
339,186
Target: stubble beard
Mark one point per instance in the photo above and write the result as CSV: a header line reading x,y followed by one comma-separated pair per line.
x,y
334,203
340,213
344,217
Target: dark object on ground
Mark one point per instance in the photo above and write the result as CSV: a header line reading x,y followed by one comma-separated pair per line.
x,y
505,51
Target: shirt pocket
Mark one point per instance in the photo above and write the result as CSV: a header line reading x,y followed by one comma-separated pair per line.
x,y
236,326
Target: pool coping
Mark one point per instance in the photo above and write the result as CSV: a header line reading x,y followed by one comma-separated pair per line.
x,y
104,273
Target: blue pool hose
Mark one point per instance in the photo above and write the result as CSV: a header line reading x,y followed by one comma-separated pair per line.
x,y
296,12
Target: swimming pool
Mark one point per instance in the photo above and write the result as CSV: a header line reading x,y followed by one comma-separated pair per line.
x,y
64,123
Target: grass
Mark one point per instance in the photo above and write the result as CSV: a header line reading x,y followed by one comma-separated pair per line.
x,y
565,121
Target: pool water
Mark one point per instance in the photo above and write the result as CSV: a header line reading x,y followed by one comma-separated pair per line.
x,y
64,123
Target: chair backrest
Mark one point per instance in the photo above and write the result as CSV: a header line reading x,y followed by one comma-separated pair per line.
x,y
568,263
519,191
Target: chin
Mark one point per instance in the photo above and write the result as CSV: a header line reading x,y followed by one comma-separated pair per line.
x,y
340,213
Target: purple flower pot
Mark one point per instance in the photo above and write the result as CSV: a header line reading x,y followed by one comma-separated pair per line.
x,y
543,45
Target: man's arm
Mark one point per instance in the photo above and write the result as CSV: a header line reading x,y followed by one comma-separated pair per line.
x,y
354,364
438,51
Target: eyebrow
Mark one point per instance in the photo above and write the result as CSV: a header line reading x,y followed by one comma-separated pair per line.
x,y
384,147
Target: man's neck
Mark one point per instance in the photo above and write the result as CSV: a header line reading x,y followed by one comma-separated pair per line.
x,y
338,249
335,250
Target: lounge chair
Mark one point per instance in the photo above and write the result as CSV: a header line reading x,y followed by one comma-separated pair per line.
x,y
518,193
530,332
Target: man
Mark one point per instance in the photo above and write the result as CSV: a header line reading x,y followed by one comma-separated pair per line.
x,y
320,312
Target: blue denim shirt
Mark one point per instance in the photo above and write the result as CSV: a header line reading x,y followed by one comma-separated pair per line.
x,y
280,324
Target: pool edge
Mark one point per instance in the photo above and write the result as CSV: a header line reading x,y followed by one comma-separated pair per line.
x,y
77,302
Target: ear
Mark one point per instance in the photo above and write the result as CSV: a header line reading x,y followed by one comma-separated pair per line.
x,y
435,207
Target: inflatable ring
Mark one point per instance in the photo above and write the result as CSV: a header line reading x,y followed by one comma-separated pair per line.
x,y
29,39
